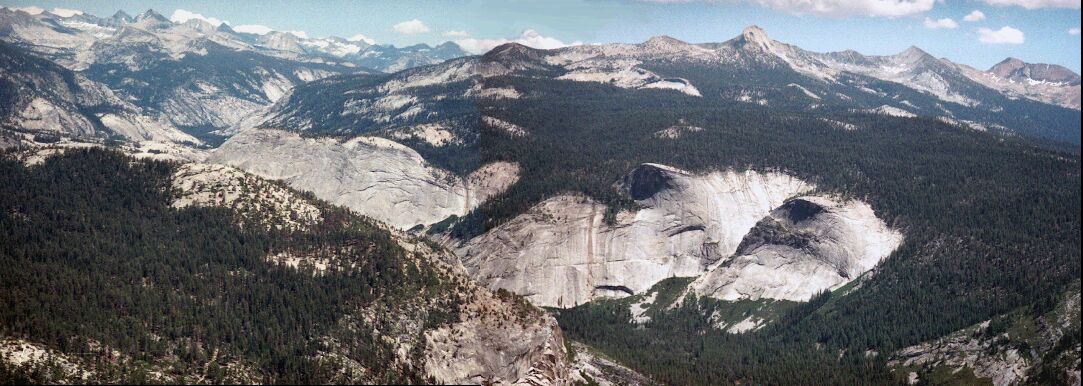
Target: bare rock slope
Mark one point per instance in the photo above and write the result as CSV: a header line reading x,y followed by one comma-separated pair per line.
x,y
376,177
809,244
742,233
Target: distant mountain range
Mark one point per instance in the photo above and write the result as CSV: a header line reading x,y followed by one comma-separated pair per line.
x,y
198,77
744,211
67,38
749,69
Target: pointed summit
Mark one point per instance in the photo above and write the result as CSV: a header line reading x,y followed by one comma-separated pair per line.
x,y
914,54
754,32
753,37
913,51
225,28
122,17
915,58
149,14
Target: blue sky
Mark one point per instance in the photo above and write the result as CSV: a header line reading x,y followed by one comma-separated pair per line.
x,y
1038,30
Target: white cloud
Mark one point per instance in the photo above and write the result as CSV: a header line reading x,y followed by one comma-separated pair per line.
x,y
181,16
1035,4
30,10
253,29
362,38
529,38
300,34
944,23
456,34
1073,31
62,12
844,8
974,15
263,30
1005,35
65,12
411,27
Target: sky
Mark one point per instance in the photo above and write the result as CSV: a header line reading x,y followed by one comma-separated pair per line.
x,y
1037,31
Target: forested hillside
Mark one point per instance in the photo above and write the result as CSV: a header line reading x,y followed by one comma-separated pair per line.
x,y
99,266
991,223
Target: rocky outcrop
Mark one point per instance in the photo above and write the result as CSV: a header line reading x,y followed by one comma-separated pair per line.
x,y
1007,350
561,252
498,342
373,176
261,202
495,337
492,179
807,245
590,367
42,98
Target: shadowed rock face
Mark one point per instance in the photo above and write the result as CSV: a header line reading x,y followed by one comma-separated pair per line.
x,y
561,253
800,210
643,182
770,231
807,245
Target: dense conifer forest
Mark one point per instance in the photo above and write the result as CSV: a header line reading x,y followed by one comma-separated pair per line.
x,y
92,255
991,222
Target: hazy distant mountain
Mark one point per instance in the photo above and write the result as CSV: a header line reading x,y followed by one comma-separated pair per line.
x,y
750,69
1048,83
744,211
45,102
197,76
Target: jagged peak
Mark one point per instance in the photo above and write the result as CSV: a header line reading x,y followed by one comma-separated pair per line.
x,y
225,28
122,16
753,37
151,14
754,33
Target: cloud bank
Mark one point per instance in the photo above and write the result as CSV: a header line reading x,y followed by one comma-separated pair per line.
x,y
974,15
1036,4
846,8
411,27
1004,35
362,38
181,16
529,38
944,23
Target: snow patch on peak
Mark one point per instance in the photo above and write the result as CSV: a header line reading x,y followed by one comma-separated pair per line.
x,y
810,94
